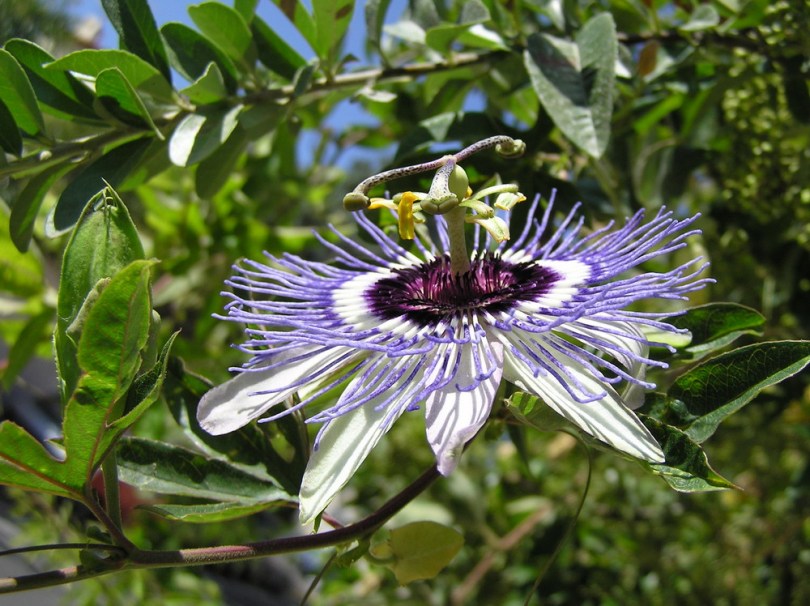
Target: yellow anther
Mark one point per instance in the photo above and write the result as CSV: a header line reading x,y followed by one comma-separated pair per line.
x,y
405,214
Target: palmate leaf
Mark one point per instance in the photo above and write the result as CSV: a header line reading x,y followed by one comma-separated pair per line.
x,y
575,80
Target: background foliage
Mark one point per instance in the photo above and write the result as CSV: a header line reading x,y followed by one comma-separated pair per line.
x,y
223,140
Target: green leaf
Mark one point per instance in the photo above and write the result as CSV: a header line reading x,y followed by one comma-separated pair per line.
x,y
253,447
10,138
274,52
332,18
191,52
716,325
301,18
110,169
216,169
169,469
225,28
419,550
532,411
22,350
25,463
375,19
21,275
208,513
119,97
199,135
722,385
686,468
109,355
246,8
141,75
103,243
135,24
26,205
442,36
574,81
703,17
18,95
66,97
208,88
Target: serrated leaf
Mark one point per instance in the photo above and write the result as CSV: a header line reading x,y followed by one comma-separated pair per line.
x,y
26,205
722,385
18,95
169,469
191,52
225,28
251,447
136,27
10,138
103,243
145,78
716,325
208,513
121,99
686,468
110,169
199,135
208,88
574,81
274,52
62,93
419,550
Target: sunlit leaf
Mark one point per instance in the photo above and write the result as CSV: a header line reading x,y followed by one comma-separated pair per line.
x,y
191,53
274,52
575,80
722,385
111,168
135,24
419,550
716,325
65,96
208,88
225,28
145,78
375,11
442,36
169,469
119,97
703,17
199,135
301,18
686,468
104,242
18,95
208,513
331,19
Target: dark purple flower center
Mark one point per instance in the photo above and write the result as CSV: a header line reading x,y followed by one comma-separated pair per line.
x,y
430,292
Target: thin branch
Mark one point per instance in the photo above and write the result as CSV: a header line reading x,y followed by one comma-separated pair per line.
x,y
228,553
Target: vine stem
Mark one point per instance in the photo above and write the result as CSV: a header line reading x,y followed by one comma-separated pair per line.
x,y
143,559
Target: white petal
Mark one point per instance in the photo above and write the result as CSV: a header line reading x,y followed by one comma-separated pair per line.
x,y
607,419
453,417
235,403
633,394
344,444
